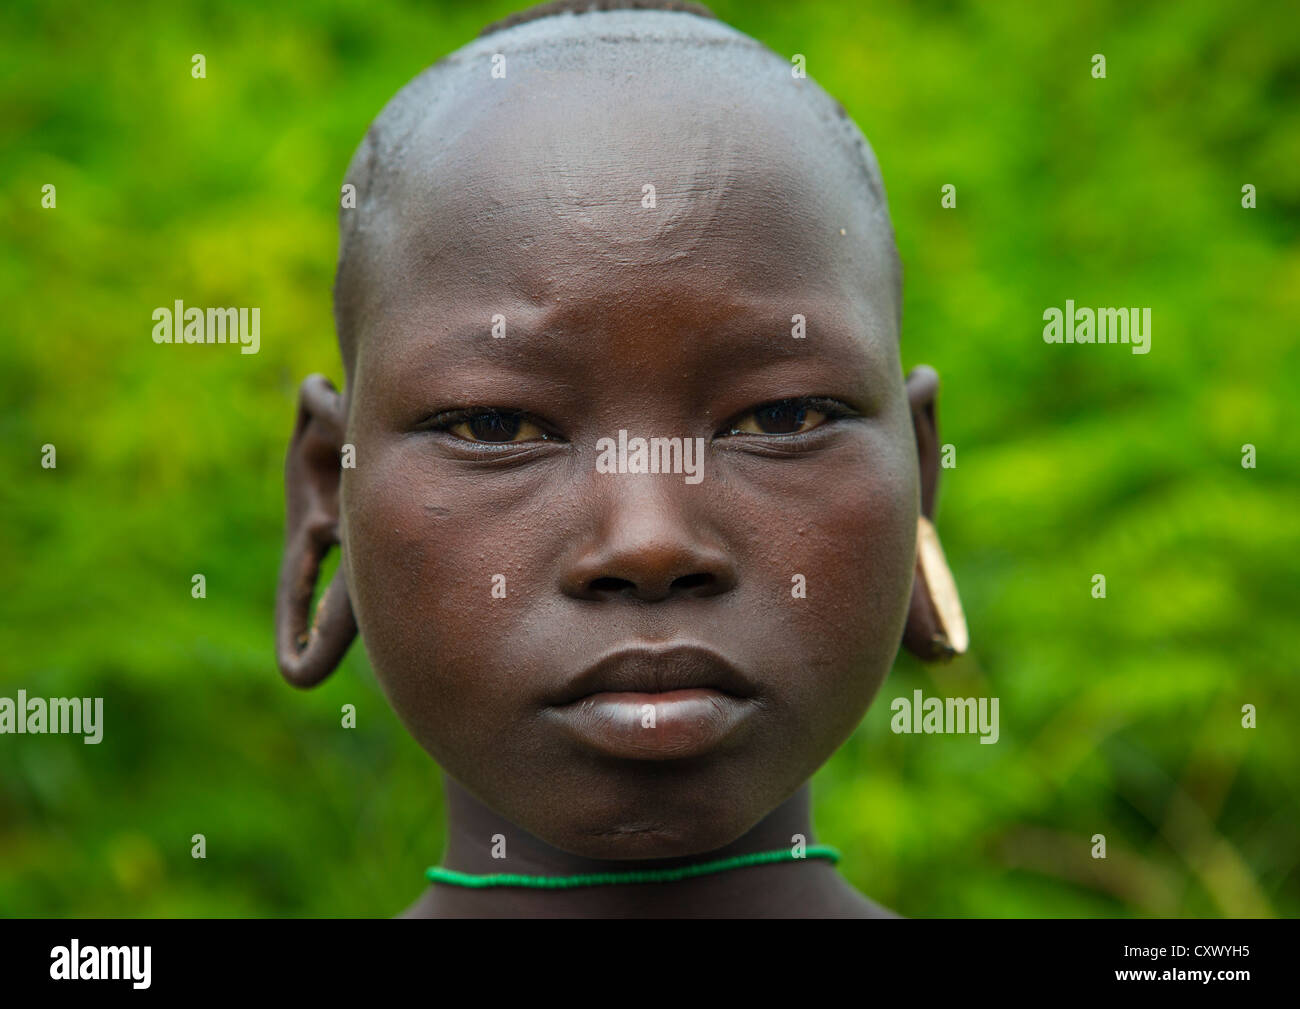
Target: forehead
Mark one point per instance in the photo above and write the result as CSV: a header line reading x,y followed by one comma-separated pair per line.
x,y
640,174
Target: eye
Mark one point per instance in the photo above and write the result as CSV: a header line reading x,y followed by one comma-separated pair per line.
x,y
488,426
787,417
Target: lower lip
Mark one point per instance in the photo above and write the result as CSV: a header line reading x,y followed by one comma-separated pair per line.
x,y
686,723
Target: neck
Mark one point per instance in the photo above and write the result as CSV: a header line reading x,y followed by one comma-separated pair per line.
x,y
794,889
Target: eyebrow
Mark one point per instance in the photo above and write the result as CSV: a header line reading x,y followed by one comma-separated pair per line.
x,y
746,340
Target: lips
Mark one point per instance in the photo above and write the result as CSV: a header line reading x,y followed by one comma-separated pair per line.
x,y
651,670
664,703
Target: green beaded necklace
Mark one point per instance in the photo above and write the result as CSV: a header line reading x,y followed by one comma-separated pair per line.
x,y
437,874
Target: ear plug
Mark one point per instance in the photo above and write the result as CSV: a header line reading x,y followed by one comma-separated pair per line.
x,y
936,624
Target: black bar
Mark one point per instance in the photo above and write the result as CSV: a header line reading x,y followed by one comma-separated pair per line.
x,y
929,957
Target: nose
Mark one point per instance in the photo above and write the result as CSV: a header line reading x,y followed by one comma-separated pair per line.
x,y
647,547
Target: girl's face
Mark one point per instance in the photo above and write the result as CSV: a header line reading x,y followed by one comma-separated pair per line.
x,y
630,664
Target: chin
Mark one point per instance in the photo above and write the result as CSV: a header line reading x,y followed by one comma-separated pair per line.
x,y
656,827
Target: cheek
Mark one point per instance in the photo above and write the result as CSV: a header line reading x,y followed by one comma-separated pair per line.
x,y
868,558
869,581
847,525
422,566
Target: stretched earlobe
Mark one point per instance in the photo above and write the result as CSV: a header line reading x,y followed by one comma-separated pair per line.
x,y
936,625
307,649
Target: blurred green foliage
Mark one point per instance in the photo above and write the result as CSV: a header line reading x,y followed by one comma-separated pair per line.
x,y
1118,716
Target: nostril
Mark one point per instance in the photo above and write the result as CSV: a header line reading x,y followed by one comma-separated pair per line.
x,y
610,585
686,583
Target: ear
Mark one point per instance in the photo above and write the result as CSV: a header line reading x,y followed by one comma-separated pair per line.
x,y
936,626
312,470
922,395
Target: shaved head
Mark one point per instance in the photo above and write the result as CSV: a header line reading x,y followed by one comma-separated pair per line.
x,y
644,97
